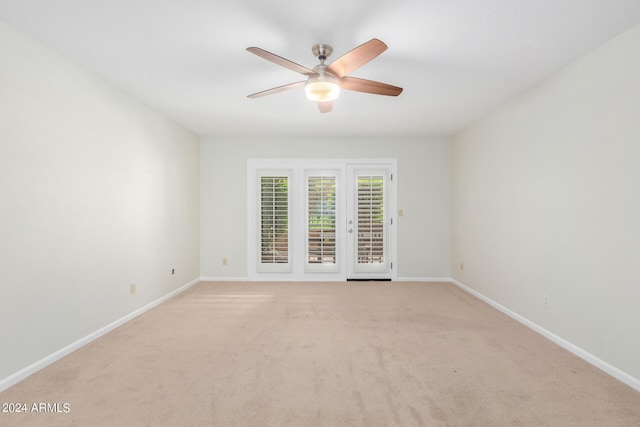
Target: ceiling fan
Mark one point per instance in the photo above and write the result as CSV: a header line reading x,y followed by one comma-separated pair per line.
x,y
324,82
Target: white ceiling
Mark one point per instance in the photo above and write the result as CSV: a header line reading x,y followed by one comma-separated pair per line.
x,y
455,59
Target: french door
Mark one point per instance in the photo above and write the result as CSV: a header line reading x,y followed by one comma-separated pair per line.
x,y
369,222
320,220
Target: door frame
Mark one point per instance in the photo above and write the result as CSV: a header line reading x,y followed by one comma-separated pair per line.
x,y
367,271
297,203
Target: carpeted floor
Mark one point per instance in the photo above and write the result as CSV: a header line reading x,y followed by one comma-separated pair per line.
x,y
323,354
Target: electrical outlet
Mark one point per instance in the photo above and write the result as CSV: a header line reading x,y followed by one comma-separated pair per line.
x,y
224,261
132,288
546,301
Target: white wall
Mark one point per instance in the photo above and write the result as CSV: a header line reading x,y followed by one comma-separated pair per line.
x,y
424,194
96,192
546,201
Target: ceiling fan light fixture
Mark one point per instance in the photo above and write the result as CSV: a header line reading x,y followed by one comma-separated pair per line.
x,y
322,91
323,87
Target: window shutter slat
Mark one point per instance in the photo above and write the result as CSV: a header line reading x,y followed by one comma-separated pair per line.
x,y
274,219
321,220
370,220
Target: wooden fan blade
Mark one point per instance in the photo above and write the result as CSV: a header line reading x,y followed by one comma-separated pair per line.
x,y
356,57
369,86
277,89
325,107
281,61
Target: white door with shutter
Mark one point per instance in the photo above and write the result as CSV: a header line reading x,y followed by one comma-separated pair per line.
x,y
368,222
322,220
273,254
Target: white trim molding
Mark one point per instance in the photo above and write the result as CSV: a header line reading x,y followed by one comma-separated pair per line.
x,y
15,378
223,279
578,351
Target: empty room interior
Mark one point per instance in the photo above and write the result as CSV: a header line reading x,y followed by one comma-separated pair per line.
x,y
360,213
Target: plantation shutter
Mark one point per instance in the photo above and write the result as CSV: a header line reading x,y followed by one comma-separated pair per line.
x,y
370,219
321,254
274,236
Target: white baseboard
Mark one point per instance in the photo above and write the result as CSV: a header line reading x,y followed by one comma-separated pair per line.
x,y
580,352
53,357
397,279
223,279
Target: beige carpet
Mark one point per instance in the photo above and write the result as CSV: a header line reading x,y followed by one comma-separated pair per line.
x,y
324,354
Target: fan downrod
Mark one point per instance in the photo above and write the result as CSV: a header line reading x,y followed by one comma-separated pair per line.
x,y
322,51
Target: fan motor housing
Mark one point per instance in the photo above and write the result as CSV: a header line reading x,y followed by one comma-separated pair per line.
x,y
322,51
